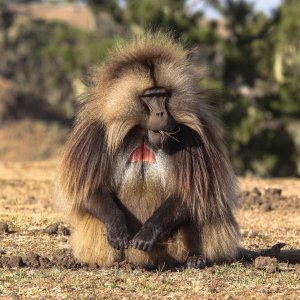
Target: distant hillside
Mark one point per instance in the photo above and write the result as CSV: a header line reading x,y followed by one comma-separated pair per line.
x,y
76,15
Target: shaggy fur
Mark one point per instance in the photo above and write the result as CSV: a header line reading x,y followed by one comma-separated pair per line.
x,y
196,169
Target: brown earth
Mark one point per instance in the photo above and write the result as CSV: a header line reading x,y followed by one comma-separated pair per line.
x,y
28,139
36,260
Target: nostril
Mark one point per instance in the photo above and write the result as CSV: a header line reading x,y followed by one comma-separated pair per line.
x,y
160,114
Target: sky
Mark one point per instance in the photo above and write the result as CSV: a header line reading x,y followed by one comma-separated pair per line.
x,y
266,5
260,5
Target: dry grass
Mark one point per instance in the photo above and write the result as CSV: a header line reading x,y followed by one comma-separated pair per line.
x,y
26,196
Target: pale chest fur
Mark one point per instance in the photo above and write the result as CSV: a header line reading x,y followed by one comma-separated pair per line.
x,y
143,186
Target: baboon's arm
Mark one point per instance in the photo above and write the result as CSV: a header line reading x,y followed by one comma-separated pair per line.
x,y
172,214
103,207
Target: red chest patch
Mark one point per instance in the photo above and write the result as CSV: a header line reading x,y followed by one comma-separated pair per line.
x,y
142,153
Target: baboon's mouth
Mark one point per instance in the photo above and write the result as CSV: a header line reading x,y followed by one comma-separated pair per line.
x,y
158,138
175,130
153,139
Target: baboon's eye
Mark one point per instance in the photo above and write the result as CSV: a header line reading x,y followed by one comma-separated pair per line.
x,y
155,96
155,92
146,108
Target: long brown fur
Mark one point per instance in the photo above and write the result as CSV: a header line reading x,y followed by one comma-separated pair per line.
x,y
202,175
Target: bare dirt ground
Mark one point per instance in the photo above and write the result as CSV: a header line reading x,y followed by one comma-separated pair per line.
x,y
37,265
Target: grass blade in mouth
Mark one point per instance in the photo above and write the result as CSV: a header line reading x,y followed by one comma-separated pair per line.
x,y
170,134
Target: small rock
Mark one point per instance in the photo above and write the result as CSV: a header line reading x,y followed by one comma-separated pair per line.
x,y
51,229
62,229
273,191
4,227
252,234
31,260
267,263
93,266
256,191
45,262
12,261
212,290
2,251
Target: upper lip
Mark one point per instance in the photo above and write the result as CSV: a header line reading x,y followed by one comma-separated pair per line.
x,y
159,130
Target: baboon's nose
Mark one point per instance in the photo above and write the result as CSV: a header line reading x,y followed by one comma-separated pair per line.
x,y
155,100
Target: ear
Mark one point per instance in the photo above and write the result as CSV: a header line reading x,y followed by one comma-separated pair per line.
x,y
205,179
85,163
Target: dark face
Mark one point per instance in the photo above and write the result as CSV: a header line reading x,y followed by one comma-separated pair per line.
x,y
159,124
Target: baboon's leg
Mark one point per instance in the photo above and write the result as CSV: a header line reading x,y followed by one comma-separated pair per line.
x,y
103,207
90,243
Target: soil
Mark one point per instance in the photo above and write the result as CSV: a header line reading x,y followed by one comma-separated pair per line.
x,y
36,260
18,137
268,199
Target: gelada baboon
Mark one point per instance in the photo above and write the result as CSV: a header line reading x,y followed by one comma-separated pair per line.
x,y
144,175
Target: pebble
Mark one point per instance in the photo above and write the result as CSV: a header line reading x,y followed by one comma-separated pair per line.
x,y
51,229
267,263
4,227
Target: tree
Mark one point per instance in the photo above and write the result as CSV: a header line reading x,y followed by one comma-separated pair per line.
x,y
168,15
258,134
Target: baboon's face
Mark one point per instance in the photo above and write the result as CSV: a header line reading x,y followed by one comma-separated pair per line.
x,y
158,124
155,101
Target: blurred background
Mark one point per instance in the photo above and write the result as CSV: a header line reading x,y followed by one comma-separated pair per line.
x,y
251,50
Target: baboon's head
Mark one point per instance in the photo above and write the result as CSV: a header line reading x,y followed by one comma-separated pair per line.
x,y
149,86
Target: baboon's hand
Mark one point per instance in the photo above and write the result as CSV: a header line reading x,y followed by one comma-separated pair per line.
x,y
146,237
117,235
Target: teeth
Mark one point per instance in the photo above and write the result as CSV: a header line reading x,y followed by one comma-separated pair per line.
x,y
155,131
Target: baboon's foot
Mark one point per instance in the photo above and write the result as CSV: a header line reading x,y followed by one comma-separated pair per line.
x,y
197,262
